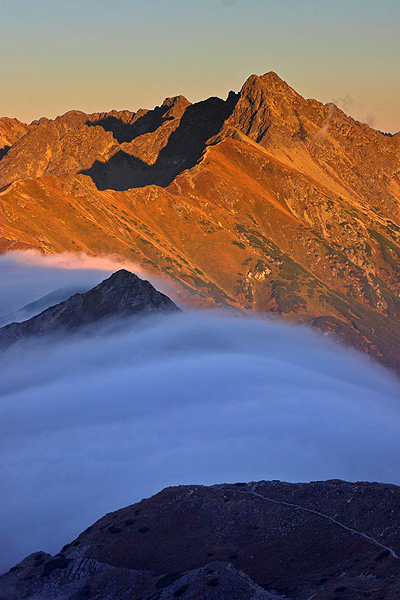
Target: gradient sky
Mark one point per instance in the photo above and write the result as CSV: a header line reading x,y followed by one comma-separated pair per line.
x,y
96,55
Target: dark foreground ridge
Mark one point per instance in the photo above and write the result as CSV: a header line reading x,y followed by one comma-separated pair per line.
x,y
121,295
266,540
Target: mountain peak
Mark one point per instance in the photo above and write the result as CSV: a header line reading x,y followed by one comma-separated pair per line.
x,y
272,77
259,104
122,275
176,101
267,86
175,106
268,109
122,294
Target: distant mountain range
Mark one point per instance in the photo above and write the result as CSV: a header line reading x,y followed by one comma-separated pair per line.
x,y
256,541
265,201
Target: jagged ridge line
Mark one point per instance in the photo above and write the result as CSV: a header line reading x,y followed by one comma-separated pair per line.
x,y
315,512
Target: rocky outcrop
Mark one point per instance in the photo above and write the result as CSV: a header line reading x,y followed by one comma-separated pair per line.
x,y
11,130
118,149
320,141
121,295
266,540
43,577
62,145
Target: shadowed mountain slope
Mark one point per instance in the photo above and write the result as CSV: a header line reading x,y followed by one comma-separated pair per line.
x,y
119,150
265,201
322,539
37,306
123,294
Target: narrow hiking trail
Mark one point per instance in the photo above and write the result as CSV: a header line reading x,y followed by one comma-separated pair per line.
x,y
315,512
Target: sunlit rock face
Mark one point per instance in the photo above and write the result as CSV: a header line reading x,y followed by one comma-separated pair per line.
x,y
121,295
264,201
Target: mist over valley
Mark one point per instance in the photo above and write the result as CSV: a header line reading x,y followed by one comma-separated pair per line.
x,y
94,422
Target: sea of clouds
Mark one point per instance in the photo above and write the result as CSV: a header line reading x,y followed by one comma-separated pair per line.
x,y
94,423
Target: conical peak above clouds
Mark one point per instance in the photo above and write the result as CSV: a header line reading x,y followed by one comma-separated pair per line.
x,y
122,294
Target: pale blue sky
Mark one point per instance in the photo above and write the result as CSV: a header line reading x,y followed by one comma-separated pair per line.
x,y
96,55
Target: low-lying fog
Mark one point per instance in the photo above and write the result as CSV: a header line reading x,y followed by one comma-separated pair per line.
x,y
93,424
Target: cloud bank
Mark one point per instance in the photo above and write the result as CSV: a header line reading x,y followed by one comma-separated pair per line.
x,y
94,424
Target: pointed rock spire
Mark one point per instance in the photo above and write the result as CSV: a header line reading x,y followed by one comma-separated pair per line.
x,y
267,109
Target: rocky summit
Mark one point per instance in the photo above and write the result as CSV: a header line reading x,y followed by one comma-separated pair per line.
x,y
121,295
265,201
258,541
